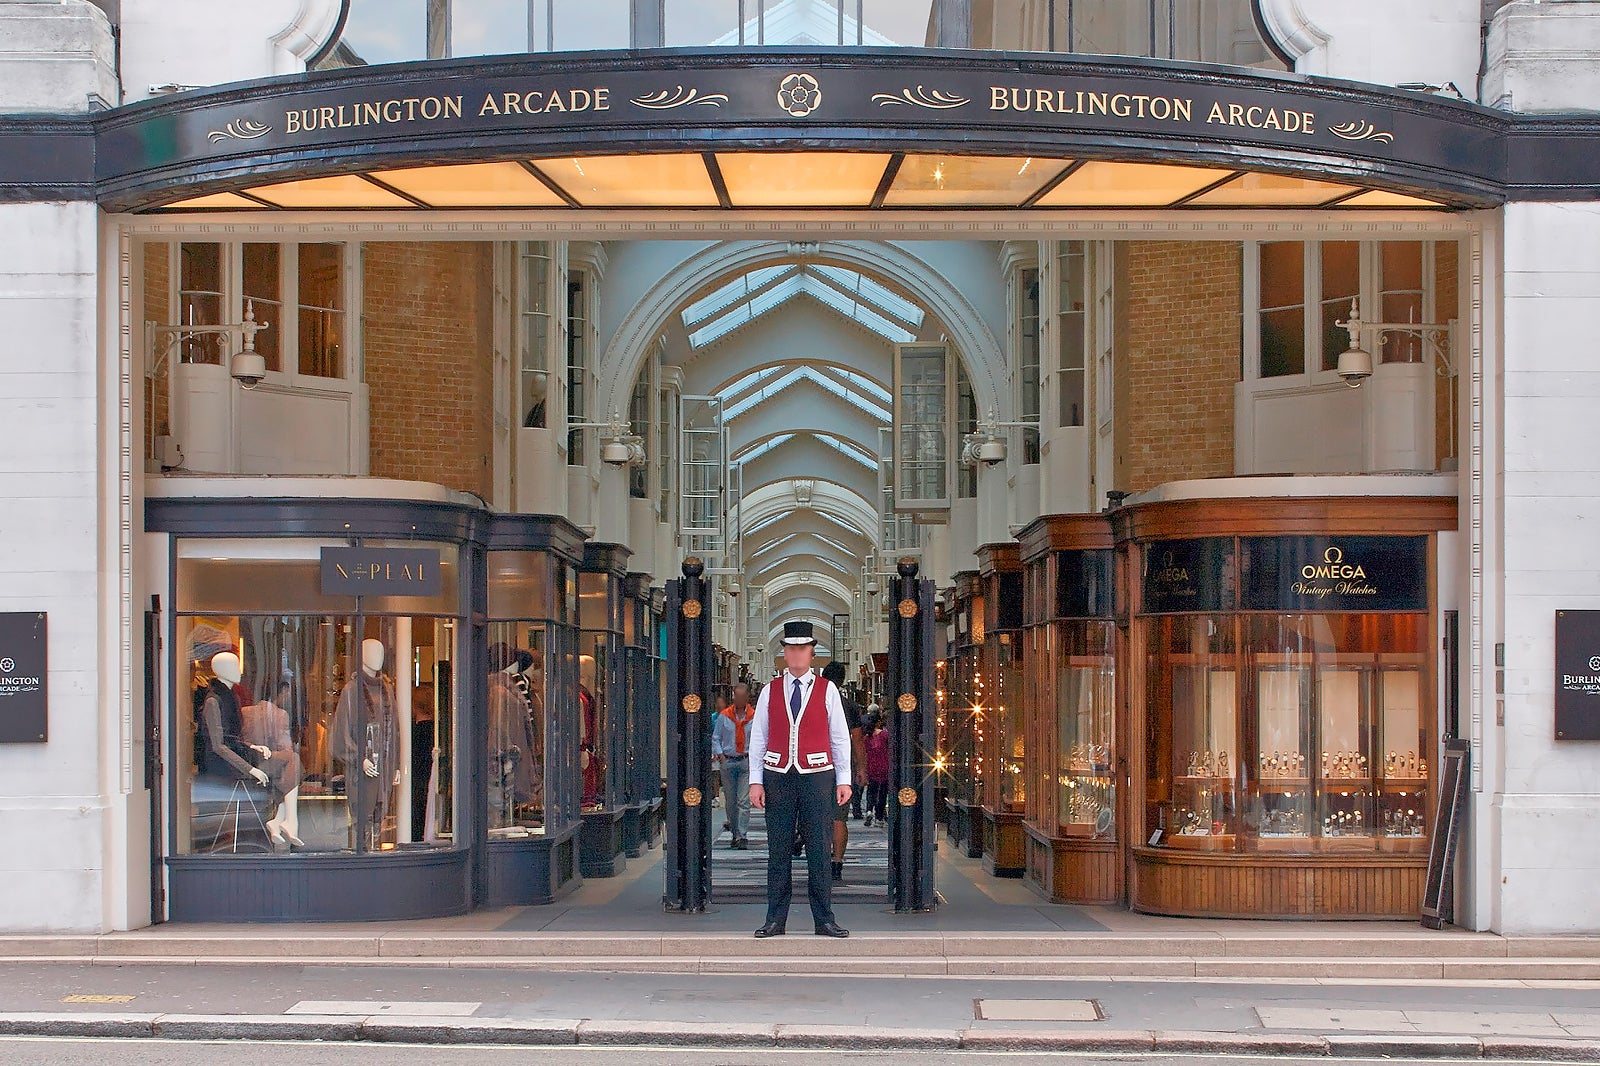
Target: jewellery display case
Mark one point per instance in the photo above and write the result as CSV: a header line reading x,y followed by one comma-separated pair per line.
x,y
966,720
1286,703
1005,736
1070,640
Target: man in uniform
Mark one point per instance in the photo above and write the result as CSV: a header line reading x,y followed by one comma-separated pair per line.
x,y
799,774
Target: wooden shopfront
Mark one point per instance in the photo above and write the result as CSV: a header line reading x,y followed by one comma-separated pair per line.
x,y
1004,738
1075,762
1283,687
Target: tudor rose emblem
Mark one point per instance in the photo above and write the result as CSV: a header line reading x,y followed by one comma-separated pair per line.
x,y
799,94
7,665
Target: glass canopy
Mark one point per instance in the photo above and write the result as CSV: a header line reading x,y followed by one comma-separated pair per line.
x,y
802,180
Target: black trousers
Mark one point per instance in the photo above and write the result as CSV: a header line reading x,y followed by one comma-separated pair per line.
x,y
803,801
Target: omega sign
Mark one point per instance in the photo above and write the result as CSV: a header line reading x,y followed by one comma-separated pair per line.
x,y
381,572
1335,573
1333,576
24,655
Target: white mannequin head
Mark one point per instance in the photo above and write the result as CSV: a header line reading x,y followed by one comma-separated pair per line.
x,y
225,664
372,656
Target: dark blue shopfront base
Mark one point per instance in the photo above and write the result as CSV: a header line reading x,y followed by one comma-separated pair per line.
x,y
601,853
633,830
316,888
531,871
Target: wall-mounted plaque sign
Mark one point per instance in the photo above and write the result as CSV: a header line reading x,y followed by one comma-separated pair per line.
x,y
1197,574
24,664
1578,675
381,572
1335,573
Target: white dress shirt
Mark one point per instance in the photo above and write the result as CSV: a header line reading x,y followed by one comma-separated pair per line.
x,y
838,730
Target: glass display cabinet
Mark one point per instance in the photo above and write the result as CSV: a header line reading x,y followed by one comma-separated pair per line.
x,y
1005,786
966,718
532,783
1070,635
1287,707
603,739
641,775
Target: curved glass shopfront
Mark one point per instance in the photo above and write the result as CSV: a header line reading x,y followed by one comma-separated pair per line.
x,y
373,716
1286,707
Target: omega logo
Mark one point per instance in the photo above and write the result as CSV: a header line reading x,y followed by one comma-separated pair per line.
x,y
1333,567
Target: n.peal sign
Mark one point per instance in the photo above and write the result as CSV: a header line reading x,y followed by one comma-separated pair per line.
x,y
381,572
1578,675
24,684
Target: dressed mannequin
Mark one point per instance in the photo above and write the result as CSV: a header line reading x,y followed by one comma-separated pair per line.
x,y
591,759
366,738
227,753
267,732
507,743
530,683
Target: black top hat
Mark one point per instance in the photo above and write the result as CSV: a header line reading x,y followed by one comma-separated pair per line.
x,y
798,633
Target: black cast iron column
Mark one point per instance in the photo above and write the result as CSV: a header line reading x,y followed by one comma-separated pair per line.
x,y
909,716
689,706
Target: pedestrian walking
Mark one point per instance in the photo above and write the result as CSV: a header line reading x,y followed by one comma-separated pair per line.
x,y
876,744
730,752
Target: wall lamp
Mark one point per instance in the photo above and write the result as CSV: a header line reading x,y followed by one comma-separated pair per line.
x,y
618,447
986,446
247,366
1355,363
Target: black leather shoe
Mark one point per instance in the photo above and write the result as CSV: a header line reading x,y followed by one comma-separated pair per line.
x,y
770,929
830,929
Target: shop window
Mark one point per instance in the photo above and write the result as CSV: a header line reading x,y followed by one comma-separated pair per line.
x,y
1072,317
200,300
532,697
1282,312
1289,732
322,310
1081,653
305,722
263,288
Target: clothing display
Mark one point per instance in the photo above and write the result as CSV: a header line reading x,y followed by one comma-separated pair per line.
x,y
226,753
591,760
267,725
366,735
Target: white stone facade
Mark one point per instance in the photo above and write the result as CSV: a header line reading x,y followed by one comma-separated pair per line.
x,y
74,813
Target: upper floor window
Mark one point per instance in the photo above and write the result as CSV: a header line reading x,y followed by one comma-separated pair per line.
x,y
1029,401
1072,316
1287,343
300,292
535,278
578,325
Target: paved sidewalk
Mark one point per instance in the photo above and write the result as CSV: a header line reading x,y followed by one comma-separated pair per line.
x,y
1312,1017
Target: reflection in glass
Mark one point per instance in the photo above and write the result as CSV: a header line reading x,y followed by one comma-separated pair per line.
x,y
314,734
1085,719
1193,685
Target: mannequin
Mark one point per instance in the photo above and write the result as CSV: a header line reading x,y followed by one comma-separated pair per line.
x,y
530,682
224,724
507,750
366,738
267,732
591,760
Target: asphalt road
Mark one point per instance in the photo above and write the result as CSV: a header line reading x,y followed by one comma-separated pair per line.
x,y
176,1053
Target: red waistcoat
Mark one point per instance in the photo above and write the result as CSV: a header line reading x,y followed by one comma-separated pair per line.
x,y
805,743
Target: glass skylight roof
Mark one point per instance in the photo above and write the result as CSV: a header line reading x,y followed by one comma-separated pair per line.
x,y
852,295
804,373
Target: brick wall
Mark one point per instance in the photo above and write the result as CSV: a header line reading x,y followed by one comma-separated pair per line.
x,y
428,344
1177,360
157,308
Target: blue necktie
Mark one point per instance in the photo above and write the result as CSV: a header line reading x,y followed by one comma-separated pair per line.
x,y
794,700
